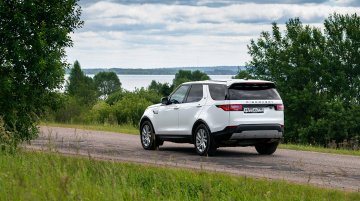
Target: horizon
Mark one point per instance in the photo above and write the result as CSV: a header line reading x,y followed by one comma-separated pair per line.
x,y
151,68
176,33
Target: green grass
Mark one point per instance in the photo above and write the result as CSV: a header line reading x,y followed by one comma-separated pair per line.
x,y
130,129
319,149
43,176
125,128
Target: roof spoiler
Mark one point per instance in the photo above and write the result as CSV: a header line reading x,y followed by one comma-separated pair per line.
x,y
252,85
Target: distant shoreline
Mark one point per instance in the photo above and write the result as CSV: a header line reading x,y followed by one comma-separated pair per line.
x,y
217,70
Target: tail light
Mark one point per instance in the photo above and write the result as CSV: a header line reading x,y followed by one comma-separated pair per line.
x,y
279,107
231,107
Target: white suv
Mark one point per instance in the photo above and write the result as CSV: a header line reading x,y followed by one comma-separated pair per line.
x,y
212,114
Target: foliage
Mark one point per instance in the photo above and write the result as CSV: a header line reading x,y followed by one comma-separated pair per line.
x,y
115,97
163,89
130,109
185,76
101,113
321,149
42,176
243,74
317,75
107,83
123,107
33,38
7,141
148,95
71,111
81,86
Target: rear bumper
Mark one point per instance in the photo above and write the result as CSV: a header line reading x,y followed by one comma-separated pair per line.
x,y
250,131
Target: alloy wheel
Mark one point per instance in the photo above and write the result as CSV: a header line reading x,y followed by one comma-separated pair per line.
x,y
201,140
146,135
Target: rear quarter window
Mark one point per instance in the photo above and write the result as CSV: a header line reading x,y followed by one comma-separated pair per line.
x,y
195,93
217,91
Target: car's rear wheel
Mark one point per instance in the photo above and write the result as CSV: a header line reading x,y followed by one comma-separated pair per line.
x,y
147,136
203,141
266,148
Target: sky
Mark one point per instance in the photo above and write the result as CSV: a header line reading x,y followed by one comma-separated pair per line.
x,y
184,33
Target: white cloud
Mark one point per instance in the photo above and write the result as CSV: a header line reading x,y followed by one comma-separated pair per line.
x,y
159,35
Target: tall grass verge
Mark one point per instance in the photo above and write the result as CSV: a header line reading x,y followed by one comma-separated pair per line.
x,y
313,148
44,176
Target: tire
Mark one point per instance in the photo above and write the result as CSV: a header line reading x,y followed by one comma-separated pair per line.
x,y
267,148
147,136
204,142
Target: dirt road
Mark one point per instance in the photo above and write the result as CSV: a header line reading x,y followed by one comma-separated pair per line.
x,y
327,170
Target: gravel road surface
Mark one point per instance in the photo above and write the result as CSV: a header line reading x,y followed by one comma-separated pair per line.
x,y
326,170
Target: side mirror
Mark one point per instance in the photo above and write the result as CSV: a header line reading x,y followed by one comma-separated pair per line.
x,y
165,100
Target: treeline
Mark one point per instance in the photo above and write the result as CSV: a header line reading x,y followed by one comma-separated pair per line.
x,y
101,100
217,70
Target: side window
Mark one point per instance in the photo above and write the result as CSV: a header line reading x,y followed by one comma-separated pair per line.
x,y
195,94
179,95
217,91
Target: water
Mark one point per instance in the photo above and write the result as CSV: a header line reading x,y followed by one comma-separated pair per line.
x,y
131,82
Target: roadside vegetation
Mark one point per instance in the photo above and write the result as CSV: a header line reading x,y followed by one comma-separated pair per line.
x,y
44,176
102,101
320,149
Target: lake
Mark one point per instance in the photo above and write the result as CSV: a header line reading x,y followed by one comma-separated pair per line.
x,y
131,82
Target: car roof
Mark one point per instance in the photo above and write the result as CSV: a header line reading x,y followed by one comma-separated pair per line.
x,y
227,82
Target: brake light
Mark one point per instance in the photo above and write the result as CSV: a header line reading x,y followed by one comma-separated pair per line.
x,y
279,107
231,107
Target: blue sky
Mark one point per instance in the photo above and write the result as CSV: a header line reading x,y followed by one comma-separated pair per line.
x,y
175,33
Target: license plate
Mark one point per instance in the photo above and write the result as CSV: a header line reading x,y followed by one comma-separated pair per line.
x,y
253,110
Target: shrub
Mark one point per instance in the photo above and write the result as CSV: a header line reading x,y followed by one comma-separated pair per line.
x,y
130,109
7,139
101,112
115,97
72,111
337,123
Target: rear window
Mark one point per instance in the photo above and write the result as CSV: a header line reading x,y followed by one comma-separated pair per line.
x,y
253,91
217,91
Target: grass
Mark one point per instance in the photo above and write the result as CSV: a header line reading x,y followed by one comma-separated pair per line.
x,y
125,128
319,149
44,176
130,129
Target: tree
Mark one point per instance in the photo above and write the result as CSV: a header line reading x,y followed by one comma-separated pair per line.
x,y
243,74
107,83
185,76
162,89
317,75
81,86
343,41
33,38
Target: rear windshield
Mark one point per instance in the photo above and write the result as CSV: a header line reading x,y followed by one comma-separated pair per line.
x,y
253,91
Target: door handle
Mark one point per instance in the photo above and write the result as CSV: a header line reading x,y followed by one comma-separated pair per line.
x,y
176,108
199,105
